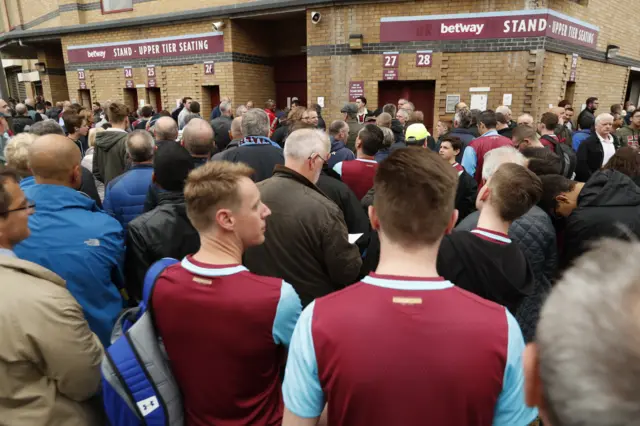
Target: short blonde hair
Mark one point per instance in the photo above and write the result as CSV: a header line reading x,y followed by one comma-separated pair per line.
x,y
211,187
92,135
17,151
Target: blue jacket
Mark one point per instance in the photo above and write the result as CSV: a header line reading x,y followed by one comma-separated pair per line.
x,y
72,237
125,195
578,137
339,152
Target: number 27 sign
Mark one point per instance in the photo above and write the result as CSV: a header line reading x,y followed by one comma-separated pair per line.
x,y
390,59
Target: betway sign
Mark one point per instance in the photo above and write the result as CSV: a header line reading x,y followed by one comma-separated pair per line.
x,y
150,48
492,25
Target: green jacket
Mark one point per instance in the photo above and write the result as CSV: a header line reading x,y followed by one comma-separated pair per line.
x,y
109,155
628,136
354,128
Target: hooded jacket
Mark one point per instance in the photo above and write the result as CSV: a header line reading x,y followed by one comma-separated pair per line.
x,y
109,156
165,231
578,137
629,136
72,237
49,359
339,152
496,271
398,130
608,206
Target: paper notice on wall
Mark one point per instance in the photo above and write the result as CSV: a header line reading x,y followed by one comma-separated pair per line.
x,y
321,101
140,103
178,103
289,102
479,102
507,98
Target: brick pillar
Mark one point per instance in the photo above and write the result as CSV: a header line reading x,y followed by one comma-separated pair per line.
x,y
54,79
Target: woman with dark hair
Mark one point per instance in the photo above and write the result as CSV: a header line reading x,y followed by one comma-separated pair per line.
x,y
626,160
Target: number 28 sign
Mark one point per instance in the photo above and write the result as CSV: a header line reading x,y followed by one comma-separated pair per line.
x,y
390,59
423,58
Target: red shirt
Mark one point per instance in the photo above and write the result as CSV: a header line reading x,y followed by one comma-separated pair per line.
x,y
358,175
458,168
484,144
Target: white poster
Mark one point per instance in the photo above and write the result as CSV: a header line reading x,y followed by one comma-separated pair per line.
x,y
507,98
321,101
479,101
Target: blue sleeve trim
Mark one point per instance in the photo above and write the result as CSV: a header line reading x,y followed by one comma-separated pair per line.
x,y
287,314
469,160
511,408
302,392
338,168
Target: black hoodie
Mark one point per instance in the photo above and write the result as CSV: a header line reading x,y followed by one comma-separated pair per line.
x,y
493,270
608,206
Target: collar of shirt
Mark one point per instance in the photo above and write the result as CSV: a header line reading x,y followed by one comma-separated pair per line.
x,y
609,140
364,160
491,133
113,129
7,252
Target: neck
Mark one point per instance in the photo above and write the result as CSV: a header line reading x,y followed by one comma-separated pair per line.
x,y
122,125
546,132
363,156
6,245
634,127
43,181
452,160
74,136
604,136
300,169
491,221
536,144
398,259
501,126
143,163
219,249
488,130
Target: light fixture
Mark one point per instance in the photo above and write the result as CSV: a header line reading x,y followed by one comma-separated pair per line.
x,y
217,26
612,51
355,41
41,67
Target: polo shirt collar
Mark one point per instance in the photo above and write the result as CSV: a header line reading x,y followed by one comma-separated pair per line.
x,y
398,282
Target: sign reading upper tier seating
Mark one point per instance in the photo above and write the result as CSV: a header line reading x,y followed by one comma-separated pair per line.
x,y
491,25
150,48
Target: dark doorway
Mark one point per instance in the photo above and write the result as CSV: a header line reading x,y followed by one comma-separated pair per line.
x,y
420,93
131,99
291,79
84,97
570,91
154,98
633,88
210,99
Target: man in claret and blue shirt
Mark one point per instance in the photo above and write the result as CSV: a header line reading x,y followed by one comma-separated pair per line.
x,y
404,346
226,330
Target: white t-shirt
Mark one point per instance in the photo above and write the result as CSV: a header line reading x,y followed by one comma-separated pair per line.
x,y
607,148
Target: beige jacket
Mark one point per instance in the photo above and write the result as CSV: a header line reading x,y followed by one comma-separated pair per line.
x,y
49,358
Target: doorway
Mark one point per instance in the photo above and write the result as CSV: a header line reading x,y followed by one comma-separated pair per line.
x,y
420,93
84,96
291,79
210,99
130,97
570,91
633,87
154,98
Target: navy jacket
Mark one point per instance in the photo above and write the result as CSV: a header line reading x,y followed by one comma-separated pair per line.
x,y
125,195
466,136
339,152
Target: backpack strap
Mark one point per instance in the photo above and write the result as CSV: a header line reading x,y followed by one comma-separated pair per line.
x,y
150,279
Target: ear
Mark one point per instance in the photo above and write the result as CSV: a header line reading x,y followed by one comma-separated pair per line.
x,y
452,222
533,391
562,198
225,220
76,177
373,218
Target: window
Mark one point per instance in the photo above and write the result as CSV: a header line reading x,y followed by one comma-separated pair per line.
x,y
111,6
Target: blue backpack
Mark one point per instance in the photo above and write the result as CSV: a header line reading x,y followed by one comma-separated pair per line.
x,y
137,384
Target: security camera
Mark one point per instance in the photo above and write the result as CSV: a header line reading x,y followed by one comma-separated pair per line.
x,y
315,17
218,26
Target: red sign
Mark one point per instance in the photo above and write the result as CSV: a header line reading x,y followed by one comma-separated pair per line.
x,y
491,25
130,84
83,85
390,60
128,72
151,82
356,89
196,44
574,67
81,75
208,68
390,74
423,58
151,71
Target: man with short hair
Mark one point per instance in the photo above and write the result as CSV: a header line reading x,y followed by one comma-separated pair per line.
x,y
241,110
110,153
338,134
239,373
146,112
417,135
358,174
185,110
125,195
165,131
22,119
44,332
402,116
350,112
235,133
526,137
546,129
597,149
363,112
71,236
409,107
270,110
506,112
197,138
542,161
561,131
630,135
256,149
525,120
401,103
585,126
460,106
582,354
221,126
502,126
461,130
473,157
176,112
590,109
568,117
467,188
310,117
484,261
336,356
306,240
97,112
164,231
217,111
384,120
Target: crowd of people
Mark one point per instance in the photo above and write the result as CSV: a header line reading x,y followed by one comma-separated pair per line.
x,y
357,272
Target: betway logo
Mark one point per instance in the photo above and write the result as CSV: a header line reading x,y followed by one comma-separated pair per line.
x,y
96,54
462,28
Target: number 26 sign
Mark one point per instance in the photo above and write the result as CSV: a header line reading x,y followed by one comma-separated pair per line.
x,y
423,58
208,68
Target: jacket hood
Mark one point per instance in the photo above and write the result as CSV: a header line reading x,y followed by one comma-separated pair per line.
x,y
336,145
609,188
396,126
170,197
57,197
107,140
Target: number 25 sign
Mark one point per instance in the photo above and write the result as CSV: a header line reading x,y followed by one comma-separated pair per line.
x,y
390,59
423,58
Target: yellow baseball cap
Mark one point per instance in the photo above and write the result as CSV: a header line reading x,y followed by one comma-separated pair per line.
x,y
416,133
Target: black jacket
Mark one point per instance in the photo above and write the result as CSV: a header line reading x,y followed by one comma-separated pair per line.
x,y
163,232
466,195
398,130
590,156
507,132
280,135
20,122
466,136
88,186
176,112
221,127
608,206
262,158
535,235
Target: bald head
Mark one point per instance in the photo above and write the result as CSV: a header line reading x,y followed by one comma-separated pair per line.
x,y
165,129
21,109
55,159
140,146
197,137
236,128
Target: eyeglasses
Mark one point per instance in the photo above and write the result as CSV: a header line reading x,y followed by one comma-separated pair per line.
x,y
315,155
30,205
